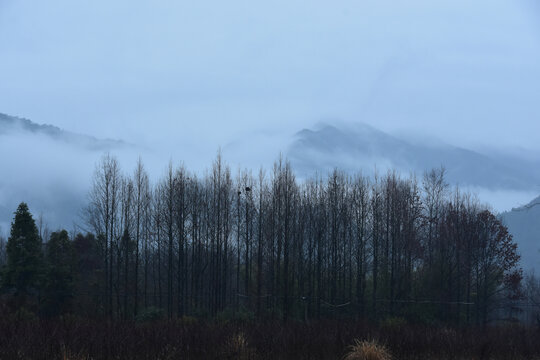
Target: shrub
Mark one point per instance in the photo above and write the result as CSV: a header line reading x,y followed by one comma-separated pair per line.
x,y
189,320
367,350
150,314
66,354
240,315
393,323
237,347
24,314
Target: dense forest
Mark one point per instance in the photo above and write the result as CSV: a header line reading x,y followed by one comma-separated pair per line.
x,y
267,246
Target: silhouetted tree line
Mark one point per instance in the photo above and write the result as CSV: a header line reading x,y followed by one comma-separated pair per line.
x,y
269,246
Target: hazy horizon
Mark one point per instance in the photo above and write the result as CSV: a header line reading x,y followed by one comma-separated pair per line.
x,y
182,80
464,72
55,166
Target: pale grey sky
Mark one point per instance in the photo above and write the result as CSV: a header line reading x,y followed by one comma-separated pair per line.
x,y
203,73
183,78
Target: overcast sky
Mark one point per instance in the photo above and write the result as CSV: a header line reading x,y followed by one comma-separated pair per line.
x,y
203,73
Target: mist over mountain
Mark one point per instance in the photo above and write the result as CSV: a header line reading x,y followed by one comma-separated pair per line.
x,y
47,167
54,175
11,125
361,146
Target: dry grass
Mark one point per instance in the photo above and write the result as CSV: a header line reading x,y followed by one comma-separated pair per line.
x,y
367,350
237,347
66,354
83,339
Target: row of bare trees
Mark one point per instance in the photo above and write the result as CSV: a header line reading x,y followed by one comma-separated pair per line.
x,y
273,246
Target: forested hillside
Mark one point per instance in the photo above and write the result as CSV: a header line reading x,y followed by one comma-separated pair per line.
x,y
524,224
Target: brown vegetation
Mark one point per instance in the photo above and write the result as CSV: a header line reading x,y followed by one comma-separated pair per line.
x,y
367,350
74,339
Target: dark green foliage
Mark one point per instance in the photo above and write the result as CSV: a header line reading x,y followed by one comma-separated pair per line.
x,y
230,315
88,287
58,285
150,314
24,257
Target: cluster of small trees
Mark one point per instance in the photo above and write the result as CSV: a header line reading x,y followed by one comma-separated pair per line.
x,y
273,246
37,277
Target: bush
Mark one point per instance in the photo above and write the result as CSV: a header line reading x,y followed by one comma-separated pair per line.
x,y
151,314
240,315
393,323
237,347
367,350
189,320
23,314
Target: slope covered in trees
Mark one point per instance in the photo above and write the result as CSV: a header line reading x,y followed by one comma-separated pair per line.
x,y
269,246
524,225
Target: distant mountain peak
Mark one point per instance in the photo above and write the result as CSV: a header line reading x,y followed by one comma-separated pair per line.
x,y
533,203
359,146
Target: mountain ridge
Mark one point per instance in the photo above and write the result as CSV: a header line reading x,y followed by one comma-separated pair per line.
x,y
524,224
354,147
10,123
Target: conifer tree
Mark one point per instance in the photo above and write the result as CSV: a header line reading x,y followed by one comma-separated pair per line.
x,y
24,256
58,286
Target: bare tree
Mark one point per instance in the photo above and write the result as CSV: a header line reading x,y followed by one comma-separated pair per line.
x,y
141,207
297,249
102,213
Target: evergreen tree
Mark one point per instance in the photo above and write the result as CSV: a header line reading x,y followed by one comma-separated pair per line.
x,y
88,287
24,257
58,289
